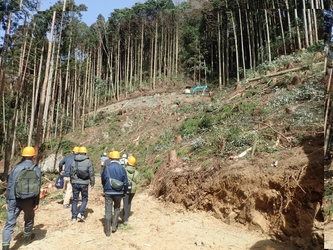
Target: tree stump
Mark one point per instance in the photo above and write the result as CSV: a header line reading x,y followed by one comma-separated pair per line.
x,y
173,159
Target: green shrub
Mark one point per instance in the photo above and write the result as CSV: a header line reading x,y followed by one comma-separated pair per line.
x,y
206,123
189,128
3,210
148,173
198,143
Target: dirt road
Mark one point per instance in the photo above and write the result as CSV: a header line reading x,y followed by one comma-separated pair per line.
x,y
152,225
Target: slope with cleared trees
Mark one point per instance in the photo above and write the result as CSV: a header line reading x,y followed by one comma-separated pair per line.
x,y
240,169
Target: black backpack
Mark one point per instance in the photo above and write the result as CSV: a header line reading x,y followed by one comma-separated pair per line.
x,y
27,183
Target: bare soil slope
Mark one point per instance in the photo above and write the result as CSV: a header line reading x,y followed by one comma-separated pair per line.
x,y
282,201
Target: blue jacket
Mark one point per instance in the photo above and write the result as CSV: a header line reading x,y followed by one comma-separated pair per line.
x,y
116,171
67,161
10,192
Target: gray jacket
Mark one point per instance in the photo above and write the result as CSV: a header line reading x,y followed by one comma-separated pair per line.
x,y
84,164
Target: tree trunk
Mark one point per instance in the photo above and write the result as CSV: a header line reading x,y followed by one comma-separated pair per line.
x,y
305,23
268,38
39,133
299,43
282,33
155,54
242,42
236,44
219,24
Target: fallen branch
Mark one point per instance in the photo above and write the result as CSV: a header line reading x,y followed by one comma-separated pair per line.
x,y
136,138
234,96
267,125
275,74
242,154
47,179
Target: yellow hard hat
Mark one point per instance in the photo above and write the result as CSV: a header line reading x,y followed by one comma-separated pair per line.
x,y
131,161
83,150
114,155
75,149
28,152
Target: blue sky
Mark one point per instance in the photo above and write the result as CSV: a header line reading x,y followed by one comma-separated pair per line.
x,y
95,7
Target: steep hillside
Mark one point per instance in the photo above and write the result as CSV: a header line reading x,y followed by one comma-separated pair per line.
x,y
251,155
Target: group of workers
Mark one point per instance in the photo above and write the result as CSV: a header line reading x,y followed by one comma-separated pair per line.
x,y
78,173
112,167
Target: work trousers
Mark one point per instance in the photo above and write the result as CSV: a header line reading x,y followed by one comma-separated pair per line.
x,y
112,201
77,189
127,200
13,211
67,190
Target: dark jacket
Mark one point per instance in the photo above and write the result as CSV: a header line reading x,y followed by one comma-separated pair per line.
x,y
67,161
10,192
116,171
84,164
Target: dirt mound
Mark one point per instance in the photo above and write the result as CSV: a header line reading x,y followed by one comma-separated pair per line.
x,y
277,194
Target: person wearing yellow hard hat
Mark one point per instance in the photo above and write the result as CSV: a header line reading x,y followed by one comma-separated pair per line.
x,y
81,174
115,184
67,189
133,180
22,194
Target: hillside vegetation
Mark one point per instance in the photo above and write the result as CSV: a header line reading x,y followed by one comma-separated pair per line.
x,y
250,155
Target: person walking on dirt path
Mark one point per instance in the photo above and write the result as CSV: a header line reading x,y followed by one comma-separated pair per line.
x,y
103,158
67,189
15,205
82,171
123,160
133,180
112,196
107,161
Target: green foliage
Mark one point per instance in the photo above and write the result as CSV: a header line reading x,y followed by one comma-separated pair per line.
x,y
206,163
183,151
64,146
198,143
185,109
317,47
148,173
189,128
206,123
100,86
264,146
3,210
247,107
58,197
226,112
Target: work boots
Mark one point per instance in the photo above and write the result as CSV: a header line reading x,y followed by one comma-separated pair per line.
x,y
6,247
108,227
28,238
